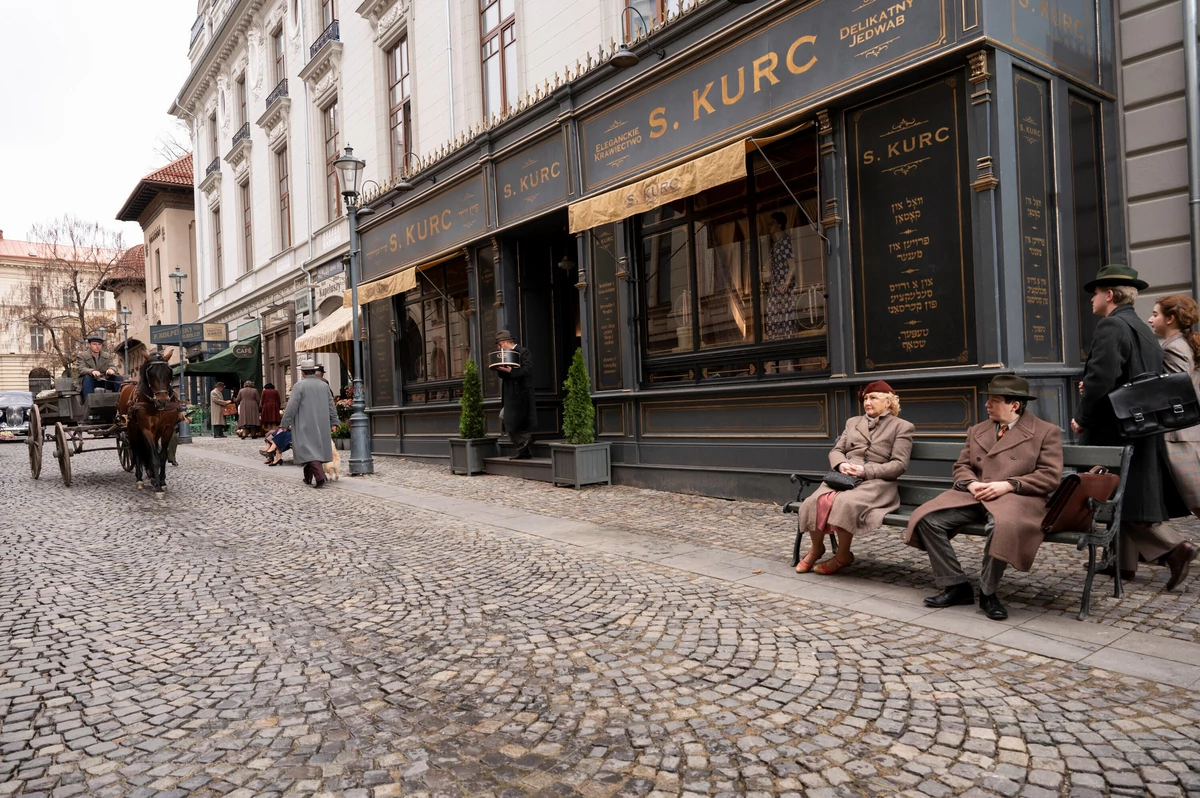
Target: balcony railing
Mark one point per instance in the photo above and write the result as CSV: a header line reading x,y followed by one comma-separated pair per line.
x,y
215,166
242,134
197,29
330,35
278,92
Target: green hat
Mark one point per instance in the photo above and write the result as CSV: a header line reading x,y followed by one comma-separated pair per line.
x,y
1115,274
1010,386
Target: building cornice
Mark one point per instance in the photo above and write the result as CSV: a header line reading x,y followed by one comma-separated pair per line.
x,y
233,31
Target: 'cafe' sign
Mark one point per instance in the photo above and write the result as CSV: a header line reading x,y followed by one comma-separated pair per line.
x,y
813,51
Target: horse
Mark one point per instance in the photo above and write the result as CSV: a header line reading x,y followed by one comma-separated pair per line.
x,y
152,412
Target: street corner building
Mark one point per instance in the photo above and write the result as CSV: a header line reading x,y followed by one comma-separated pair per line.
x,y
741,214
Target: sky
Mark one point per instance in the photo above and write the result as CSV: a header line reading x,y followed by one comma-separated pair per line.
x,y
84,90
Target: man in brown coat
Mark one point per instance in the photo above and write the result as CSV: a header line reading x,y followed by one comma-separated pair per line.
x,y
1010,463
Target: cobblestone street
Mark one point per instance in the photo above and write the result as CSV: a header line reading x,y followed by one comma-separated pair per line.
x,y
413,633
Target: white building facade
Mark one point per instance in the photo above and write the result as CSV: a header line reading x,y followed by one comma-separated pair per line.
x,y
278,88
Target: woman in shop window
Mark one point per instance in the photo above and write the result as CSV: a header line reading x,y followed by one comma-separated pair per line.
x,y
874,449
779,320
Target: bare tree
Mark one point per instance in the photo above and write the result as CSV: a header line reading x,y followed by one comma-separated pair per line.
x,y
74,259
175,143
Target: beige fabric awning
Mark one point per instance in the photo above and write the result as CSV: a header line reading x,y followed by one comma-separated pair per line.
x,y
331,334
708,171
380,289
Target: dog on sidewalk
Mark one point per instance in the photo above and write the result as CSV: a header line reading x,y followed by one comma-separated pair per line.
x,y
333,467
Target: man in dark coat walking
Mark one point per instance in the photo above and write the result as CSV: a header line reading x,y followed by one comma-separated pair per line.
x,y
518,400
1123,348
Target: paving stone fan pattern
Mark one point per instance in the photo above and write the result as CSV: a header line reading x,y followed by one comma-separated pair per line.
x,y
249,636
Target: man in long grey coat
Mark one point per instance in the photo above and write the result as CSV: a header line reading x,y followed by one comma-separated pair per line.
x,y
311,416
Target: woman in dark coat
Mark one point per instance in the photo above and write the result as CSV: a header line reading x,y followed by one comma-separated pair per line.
x,y
874,448
269,407
249,422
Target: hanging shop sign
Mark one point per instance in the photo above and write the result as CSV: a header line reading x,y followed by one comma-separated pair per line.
x,y
809,54
914,296
444,220
532,181
1060,33
192,333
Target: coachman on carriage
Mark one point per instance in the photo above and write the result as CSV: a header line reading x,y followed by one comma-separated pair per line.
x,y
96,404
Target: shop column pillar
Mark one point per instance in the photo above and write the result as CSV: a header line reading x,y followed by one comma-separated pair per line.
x,y
508,291
989,304
837,261
585,316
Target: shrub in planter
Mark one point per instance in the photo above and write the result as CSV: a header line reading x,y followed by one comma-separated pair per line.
x,y
468,451
579,461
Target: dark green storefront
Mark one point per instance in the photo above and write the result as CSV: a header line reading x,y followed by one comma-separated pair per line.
x,y
937,170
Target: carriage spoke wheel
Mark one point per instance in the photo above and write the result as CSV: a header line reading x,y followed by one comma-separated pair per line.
x,y
34,442
62,451
125,450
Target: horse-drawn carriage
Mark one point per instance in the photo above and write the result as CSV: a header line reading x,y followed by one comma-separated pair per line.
x,y
62,417
139,421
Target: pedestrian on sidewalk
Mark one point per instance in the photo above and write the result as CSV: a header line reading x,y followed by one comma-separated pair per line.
x,y
518,403
248,417
269,410
216,407
1123,347
1174,320
312,417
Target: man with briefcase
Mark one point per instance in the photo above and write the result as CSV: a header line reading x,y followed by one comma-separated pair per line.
x,y
1123,348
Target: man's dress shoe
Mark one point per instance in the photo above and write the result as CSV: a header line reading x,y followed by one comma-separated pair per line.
x,y
1179,560
992,607
953,596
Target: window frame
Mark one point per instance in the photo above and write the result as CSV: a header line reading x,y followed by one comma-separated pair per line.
x,y
247,228
279,48
403,106
283,195
657,15
217,246
449,387
37,338
241,99
98,300
35,296
328,13
333,189
754,204
504,25
214,137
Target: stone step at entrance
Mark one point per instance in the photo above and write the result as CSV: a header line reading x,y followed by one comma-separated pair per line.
x,y
535,468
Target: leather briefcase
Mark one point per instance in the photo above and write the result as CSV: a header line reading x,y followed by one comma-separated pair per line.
x,y
1067,507
1156,403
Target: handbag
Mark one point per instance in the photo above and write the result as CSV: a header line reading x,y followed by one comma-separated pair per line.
x,y
1067,507
836,480
1156,403
229,411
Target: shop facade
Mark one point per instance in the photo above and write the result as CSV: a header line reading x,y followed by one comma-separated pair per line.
x,y
795,202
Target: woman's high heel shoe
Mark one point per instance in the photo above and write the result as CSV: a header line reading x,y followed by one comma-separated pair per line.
x,y
832,566
804,566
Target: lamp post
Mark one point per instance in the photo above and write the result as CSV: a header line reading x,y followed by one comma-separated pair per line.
x,y
177,278
125,313
349,169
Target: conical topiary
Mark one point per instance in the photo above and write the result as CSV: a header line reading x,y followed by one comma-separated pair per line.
x,y
579,417
470,419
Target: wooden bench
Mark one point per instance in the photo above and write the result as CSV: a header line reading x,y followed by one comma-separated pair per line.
x,y
938,458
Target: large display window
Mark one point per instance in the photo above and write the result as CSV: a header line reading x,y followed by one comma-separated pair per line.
x,y
732,280
435,342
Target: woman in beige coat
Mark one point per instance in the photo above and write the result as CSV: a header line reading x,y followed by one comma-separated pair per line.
x,y
1174,320
874,448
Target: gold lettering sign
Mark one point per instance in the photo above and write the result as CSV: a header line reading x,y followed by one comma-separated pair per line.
x,y
438,223
1059,32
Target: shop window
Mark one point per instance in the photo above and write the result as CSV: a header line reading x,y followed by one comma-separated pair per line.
x,y
1087,177
740,265
435,344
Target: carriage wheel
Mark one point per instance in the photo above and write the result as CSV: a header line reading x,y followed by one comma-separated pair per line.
x,y
62,448
34,442
125,451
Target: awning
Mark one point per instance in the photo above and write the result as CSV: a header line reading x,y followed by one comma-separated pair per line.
x,y
243,360
331,334
398,283
700,174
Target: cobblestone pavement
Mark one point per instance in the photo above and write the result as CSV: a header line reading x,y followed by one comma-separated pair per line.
x,y
250,636
1055,584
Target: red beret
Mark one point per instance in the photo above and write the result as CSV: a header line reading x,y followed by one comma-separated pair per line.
x,y
879,386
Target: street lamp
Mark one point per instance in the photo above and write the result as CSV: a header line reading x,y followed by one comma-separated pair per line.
x,y
349,169
177,278
125,313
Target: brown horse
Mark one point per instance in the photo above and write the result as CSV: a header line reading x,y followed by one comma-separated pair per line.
x,y
152,414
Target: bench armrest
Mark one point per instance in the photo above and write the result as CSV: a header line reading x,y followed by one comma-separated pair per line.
x,y
803,481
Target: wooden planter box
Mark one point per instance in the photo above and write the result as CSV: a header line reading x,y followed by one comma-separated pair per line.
x,y
467,454
587,464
